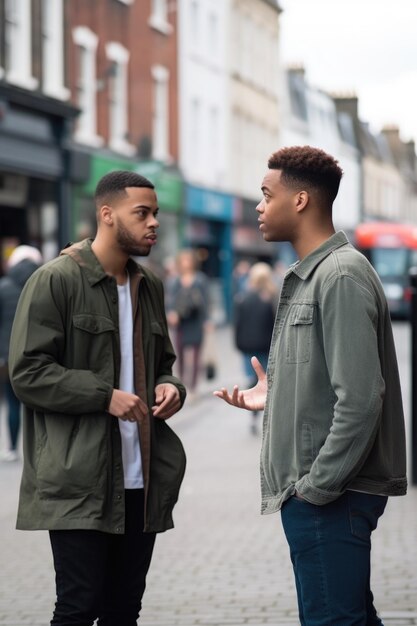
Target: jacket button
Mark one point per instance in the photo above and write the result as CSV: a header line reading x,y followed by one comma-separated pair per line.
x,y
118,497
117,466
118,529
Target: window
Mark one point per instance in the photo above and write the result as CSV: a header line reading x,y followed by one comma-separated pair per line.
x,y
195,133
160,113
18,43
159,16
53,49
86,42
2,33
214,134
213,36
195,23
118,115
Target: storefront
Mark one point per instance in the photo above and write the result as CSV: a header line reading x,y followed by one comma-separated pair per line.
x,y
34,172
208,229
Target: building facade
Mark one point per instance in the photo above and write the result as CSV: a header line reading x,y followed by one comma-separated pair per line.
x,y
122,68
254,116
386,194
35,126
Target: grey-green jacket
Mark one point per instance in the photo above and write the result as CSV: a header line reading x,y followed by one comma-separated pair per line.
x,y
64,364
333,416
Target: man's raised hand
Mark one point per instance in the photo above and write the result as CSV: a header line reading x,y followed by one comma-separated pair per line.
x,y
251,399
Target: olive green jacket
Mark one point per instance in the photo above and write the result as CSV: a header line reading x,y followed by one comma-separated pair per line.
x,y
333,416
64,364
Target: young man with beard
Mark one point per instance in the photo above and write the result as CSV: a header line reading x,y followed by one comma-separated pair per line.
x,y
91,360
333,445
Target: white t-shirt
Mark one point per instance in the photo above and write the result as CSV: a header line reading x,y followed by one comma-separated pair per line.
x,y
131,456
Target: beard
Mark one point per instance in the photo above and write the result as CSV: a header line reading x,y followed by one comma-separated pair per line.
x,y
128,243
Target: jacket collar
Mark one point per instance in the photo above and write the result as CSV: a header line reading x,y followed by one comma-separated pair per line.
x,y
304,268
82,253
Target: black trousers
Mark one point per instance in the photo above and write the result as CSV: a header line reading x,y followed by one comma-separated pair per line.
x,y
100,575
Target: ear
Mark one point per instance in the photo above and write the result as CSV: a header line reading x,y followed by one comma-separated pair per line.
x,y
301,201
106,215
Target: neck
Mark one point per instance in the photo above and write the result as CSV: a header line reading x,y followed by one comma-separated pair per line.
x,y
112,259
313,239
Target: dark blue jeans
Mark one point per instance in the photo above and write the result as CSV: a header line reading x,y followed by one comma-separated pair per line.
x,y
100,575
330,549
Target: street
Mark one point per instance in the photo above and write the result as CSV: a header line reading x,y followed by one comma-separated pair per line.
x,y
224,564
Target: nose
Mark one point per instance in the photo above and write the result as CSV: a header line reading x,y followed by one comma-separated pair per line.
x,y
154,222
260,206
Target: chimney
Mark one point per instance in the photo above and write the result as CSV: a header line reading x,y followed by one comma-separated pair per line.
x,y
346,102
297,69
392,133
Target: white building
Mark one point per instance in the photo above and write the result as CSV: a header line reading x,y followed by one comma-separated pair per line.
x,y
203,93
254,92
228,91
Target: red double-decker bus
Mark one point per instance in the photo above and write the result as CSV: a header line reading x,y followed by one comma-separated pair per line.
x,y
392,250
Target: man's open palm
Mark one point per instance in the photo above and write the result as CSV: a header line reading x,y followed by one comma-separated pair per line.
x,y
251,399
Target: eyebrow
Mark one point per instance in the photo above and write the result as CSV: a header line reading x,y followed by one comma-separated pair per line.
x,y
265,188
145,206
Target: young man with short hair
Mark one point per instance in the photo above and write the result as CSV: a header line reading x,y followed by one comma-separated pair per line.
x,y
334,437
91,360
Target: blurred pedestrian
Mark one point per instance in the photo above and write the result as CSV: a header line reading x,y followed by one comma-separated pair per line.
x,y
254,313
23,261
334,436
91,360
279,271
188,315
240,276
170,276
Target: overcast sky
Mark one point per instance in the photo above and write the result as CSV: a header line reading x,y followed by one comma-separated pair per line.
x,y
366,46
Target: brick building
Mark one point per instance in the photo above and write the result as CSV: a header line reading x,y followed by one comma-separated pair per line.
x,y
122,74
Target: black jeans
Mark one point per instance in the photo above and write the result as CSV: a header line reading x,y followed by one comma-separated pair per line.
x,y
101,575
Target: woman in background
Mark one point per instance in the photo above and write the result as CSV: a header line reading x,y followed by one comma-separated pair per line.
x,y
254,315
187,313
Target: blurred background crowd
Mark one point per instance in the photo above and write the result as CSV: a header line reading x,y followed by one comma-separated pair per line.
x,y
194,95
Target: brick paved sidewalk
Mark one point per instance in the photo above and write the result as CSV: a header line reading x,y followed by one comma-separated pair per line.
x,y
223,564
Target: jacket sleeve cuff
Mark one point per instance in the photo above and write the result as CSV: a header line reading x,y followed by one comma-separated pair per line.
x,y
173,381
313,494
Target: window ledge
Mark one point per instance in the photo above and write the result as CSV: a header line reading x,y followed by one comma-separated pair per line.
x,y
165,157
123,147
160,25
61,93
89,139
27,82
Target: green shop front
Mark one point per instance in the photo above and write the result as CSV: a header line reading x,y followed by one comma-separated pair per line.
x,y
208,229
169,188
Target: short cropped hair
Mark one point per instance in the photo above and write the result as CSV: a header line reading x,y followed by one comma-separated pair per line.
x,y
114,184
309,168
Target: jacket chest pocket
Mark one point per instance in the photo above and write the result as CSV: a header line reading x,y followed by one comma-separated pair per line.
x,y
93,341
299,333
